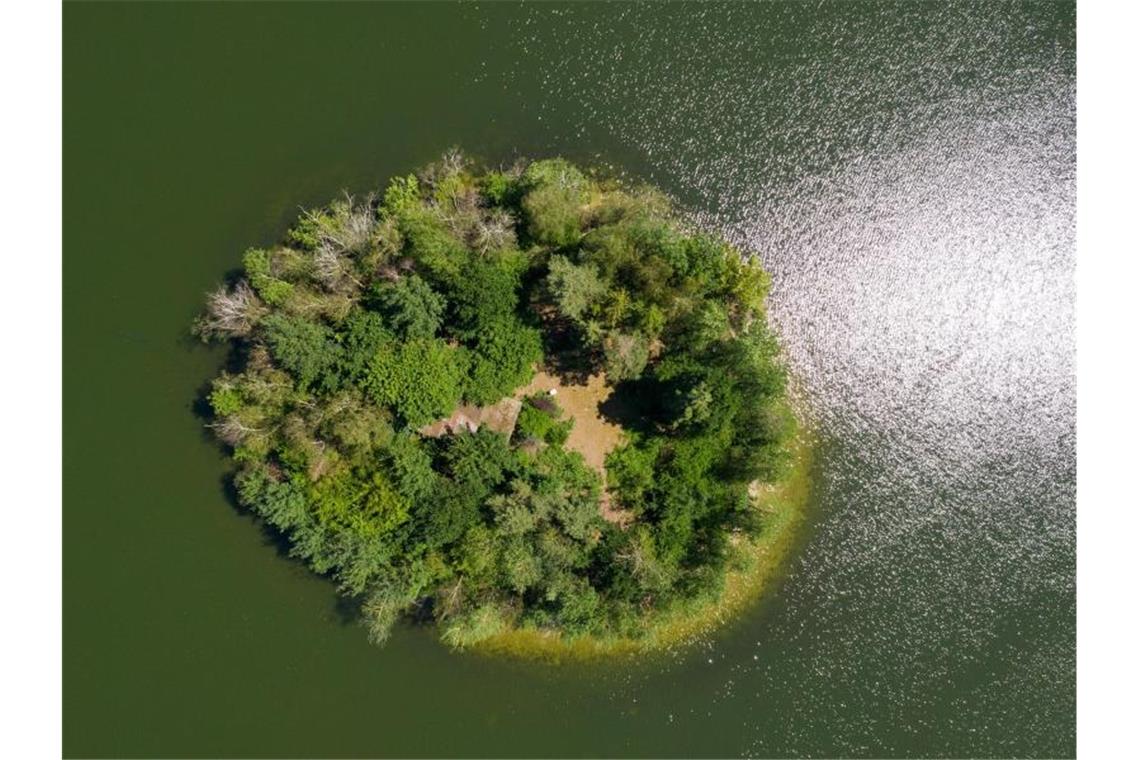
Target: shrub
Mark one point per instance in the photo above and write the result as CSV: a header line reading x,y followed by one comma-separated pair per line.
x,y
544,424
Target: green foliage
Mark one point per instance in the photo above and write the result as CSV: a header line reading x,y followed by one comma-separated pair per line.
x,y
411,469
452,512
363,336
258,269
502,359
748,284
485,295
225,398
353,425
633,468
371,323
485,314
540,419
479,461
575,288
497,188
434,247
474,625
420,379
402,194
306,350
625,355
556,192
410,307
364,504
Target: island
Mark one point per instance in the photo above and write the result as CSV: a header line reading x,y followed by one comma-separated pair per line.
x,y
533,406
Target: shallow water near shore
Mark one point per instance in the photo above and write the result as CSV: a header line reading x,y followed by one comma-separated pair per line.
x,y
905,171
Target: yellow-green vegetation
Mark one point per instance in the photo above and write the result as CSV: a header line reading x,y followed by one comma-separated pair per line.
x,y
628,520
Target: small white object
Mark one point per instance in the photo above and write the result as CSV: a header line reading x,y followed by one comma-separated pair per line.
x,y
553,391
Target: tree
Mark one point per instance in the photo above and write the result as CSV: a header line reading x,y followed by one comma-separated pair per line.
x,y
410,307
431,244
626,355
555,195
575,288
502,359
363,336
485,295
259,270
420,380
230,313
306,350
479,461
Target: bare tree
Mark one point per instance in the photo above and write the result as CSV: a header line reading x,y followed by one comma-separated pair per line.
x,y
231,430
230,313
330,266
346,229
452,162
494,231
347,226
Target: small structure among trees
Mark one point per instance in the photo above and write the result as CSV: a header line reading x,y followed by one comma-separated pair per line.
x,y
499,417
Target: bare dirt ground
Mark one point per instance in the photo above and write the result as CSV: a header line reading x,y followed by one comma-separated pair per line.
x,y
592,436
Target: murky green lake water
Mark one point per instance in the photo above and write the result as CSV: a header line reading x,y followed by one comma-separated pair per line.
x,y
905,170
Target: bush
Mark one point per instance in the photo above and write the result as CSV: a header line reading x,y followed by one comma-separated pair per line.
x,y
273,291
543,424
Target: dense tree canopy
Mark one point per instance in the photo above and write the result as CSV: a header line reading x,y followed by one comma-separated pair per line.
x,y
377,316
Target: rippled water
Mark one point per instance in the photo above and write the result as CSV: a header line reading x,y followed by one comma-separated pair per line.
x,y
905,170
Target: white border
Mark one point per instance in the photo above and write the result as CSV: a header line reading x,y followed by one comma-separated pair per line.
x,y
1108,381
31,378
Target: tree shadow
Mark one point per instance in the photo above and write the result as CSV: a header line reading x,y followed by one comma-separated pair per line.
x,y
633,406
572,367
349,610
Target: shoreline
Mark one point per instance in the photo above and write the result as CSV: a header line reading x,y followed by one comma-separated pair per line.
x,y
763,559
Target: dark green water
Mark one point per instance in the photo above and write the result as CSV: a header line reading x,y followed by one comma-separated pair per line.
x,y
905,171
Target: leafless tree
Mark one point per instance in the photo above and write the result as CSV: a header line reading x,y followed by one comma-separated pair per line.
x,y
231,430
344,230
452,162
347,226
494,231
230,312
331,267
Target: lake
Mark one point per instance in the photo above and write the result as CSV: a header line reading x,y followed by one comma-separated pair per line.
x,y
905,170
